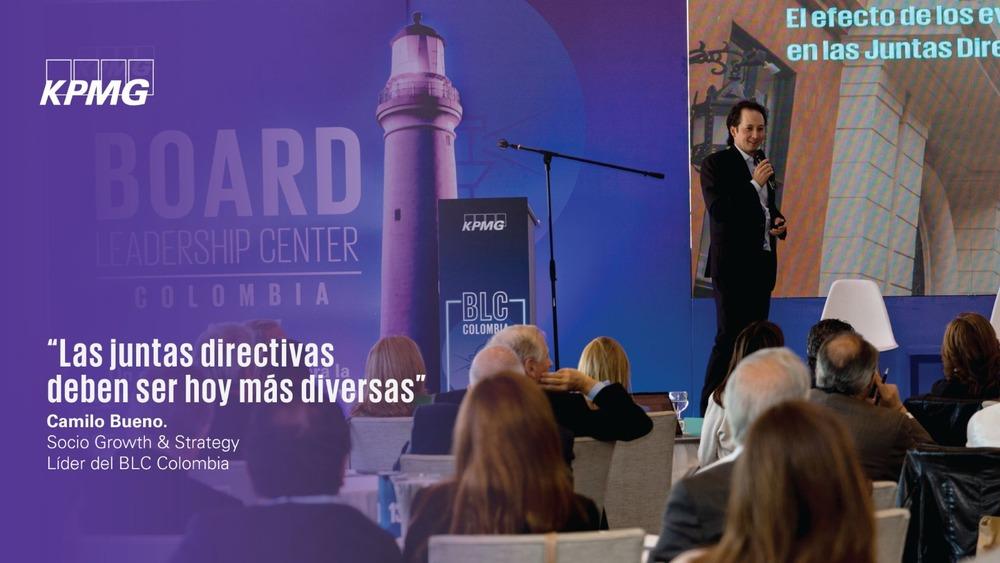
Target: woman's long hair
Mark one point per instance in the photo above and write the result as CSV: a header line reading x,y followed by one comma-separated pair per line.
x,y
392,357
510,473
971,353
756,336
798,493
604,359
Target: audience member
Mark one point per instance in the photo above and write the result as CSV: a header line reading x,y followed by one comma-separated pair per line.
x,y
798,494
695,511
231,420
604,359
847,379
818,334
154,501
509,478
715,439
434,424
296,455
398,358
616,417
984,428
971,356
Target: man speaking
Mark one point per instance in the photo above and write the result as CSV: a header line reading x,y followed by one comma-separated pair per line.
x,y
738,187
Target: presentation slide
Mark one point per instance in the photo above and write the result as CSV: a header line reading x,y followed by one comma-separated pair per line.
x,y
879,130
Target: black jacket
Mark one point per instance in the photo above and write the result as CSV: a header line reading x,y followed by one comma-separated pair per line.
x,y
696,512
736,222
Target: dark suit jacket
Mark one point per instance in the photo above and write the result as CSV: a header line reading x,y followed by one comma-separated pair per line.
x,y
616,418
433,426
881,435
147,502
696,512
431,515
736,223
303,533
432,429
454,396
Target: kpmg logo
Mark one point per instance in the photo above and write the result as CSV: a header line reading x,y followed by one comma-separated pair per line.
x,y
483,222
97,82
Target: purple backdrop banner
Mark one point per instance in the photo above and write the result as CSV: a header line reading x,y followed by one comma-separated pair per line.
x,y
250,167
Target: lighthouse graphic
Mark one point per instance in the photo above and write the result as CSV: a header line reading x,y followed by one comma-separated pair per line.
x,y
418,110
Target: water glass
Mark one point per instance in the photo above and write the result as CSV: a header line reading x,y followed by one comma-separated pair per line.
x,y
680,401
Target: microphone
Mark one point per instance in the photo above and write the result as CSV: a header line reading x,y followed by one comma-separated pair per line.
x,y
503,144
757,158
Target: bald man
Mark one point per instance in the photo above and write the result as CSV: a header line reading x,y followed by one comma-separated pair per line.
x,y
846,379
433,424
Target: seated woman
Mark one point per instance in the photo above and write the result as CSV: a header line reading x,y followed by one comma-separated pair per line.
x,y
716,442
510,477
604,359
971,356
394,358
798,494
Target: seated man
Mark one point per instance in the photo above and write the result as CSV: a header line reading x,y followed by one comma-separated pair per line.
x,y
155,501
616,417
433,424
847,379
296,455
696,509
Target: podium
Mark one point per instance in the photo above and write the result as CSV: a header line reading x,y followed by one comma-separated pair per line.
x,y
486,273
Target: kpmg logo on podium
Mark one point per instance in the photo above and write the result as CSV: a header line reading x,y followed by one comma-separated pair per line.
x,y
484,222
99,82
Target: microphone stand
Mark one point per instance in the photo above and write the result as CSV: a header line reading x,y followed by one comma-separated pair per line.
x,y
547,157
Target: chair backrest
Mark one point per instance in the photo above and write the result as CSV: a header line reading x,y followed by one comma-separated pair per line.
x,y
860,303
578,547
591,461
639,477
443,465
946,420
127,549
377,441
947,491
890,534
884,495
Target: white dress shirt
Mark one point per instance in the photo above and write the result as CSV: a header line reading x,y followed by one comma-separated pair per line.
x,y
761,195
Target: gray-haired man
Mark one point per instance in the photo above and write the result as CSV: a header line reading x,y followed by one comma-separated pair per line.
x,y
696,510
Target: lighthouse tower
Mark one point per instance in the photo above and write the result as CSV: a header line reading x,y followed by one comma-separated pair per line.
x,y
418,110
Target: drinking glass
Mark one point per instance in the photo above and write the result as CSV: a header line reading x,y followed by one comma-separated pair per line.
x,y
680,402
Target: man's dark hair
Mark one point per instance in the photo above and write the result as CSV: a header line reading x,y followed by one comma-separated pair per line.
x,y
820,333
297,449
845,364
735,114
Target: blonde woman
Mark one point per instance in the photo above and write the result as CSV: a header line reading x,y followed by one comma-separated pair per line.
x,y
604,359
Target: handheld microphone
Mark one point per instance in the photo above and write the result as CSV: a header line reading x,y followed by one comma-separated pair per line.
x,y
503,144
757,158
